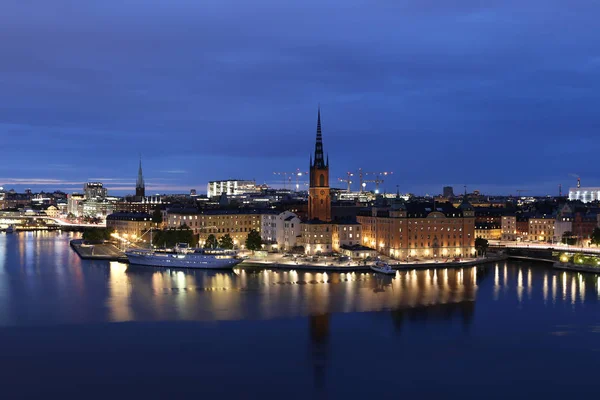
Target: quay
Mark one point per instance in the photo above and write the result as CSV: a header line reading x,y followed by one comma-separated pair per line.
x,y
100,251
110,252
576,267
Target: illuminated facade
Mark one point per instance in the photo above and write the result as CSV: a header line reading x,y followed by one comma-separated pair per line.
x,y
488,231
509,227
584,194
231,187
417,230
236,223
130,224
280,229
94,190
541,229
345,235
317,237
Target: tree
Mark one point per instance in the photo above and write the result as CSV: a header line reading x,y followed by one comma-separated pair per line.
x,y
596,236
171,237
97,235
211,242
569,238
226,242
157,216
253,241
481,245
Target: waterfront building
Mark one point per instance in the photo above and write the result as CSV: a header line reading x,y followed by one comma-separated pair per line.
x,y
94,190
563,223
488,231
133,225
62,207
317,231
584,224
358,251
420,230
231,187
346,235
52,212
509,227
235,222
280,230
541,228
522,227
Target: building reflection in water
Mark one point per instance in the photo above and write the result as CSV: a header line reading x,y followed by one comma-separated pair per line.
x,y
319,346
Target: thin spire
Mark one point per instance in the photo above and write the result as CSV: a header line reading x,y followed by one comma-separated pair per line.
x,y
140,178
319,159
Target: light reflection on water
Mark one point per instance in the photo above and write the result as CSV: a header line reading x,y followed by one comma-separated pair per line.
x,y
43,281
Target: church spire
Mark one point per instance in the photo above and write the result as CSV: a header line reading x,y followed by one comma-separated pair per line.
x,y
319,159
140,186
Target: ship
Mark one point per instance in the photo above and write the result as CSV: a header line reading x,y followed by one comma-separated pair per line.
x,y
184,257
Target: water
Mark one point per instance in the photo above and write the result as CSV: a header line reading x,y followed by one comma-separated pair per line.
x,y
83,329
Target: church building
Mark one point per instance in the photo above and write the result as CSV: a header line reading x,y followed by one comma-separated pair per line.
x,y
317,231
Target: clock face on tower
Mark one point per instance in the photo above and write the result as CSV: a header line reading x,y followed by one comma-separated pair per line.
x,y
322,192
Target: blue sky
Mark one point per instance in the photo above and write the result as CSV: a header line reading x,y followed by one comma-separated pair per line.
x,y
497,95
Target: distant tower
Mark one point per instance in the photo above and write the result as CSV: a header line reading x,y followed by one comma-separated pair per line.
x,y
319,202
559,190
578,182
448,192
140,186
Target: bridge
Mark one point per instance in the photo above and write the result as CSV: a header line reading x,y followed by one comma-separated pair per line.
x,y
544,252
37,221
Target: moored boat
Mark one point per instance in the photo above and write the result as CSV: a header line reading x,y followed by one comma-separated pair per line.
x,y
383,268
10,229
184,258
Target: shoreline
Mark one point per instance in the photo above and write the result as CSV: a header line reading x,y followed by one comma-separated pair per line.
x,y
576,268
109,252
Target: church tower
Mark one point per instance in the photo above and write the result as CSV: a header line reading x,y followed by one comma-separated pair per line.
x,y
140,186
319,201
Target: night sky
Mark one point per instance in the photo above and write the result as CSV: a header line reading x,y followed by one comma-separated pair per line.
x,y
498,95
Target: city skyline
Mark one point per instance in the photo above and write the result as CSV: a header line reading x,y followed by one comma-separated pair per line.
x,y
439,94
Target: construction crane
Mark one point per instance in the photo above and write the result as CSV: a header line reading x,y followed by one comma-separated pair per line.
x,y
519,191
378,179
348,180
287,177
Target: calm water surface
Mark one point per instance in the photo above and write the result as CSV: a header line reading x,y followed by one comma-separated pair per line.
x,y
82,329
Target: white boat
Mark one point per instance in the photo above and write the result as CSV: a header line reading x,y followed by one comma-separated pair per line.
x,y
183,257
10,229
383,268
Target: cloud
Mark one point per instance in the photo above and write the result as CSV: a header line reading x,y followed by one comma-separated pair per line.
x,y
428,89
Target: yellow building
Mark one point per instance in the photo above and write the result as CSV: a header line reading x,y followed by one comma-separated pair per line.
x,y
317,237
541,229
237,223
418,230
488,231
345,234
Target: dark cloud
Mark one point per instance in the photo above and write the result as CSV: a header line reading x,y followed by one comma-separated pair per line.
x,y
493,93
